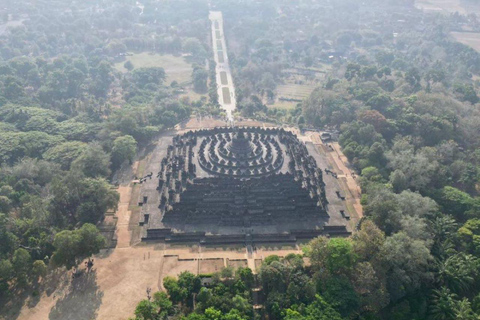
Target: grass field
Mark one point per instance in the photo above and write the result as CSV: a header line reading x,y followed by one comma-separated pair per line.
x,y
226,95
176,67
292,91
298,85
448,6
468,38
223,78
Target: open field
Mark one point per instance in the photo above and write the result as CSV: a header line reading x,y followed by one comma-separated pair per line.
x,y
447,6
10,24
176,68
470,39
441,6
292,91
299,82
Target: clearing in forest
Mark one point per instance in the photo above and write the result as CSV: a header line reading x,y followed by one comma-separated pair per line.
x,y
441,6
294,93
176,68
471,39
299,83
448,6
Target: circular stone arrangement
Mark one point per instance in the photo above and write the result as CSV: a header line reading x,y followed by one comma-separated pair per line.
x,y
242,154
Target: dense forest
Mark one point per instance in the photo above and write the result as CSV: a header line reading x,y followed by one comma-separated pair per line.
x,y
69,120
401,92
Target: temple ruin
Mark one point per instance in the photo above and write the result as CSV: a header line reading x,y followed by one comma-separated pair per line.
x,y
238,185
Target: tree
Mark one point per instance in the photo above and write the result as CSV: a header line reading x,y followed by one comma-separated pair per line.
x,y
370,287
246,275
73,245
146,310
321,310
340,255
469,235
128,65
204,295
6,274
22,263
195,48
161,299
227,272
464,311
213,314
13,88
124,148
455,201
466,93
141,77
39,269
408,263
79,199
412,76
271,258
176,293
191,284
200,77
65,153
339,292
399,181
93,161
368,241
375,118
444,304
458,272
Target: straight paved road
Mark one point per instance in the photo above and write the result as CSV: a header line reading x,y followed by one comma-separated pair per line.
x,y
225,87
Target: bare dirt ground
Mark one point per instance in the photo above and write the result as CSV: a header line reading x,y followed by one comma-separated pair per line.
x,y
120,276
346,176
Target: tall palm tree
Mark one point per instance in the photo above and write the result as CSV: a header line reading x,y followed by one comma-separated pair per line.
x,y
458,272
444,304
464,310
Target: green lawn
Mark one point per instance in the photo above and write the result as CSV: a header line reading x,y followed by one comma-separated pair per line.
x,y
176,67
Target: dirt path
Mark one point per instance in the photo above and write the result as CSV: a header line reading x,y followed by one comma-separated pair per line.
x,y
346,176
354,189
123,214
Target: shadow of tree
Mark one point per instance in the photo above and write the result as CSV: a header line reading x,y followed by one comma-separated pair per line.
x,y
104,253
12,304
82,300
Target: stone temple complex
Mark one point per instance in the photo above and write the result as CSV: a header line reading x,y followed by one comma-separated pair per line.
x,y
239,185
